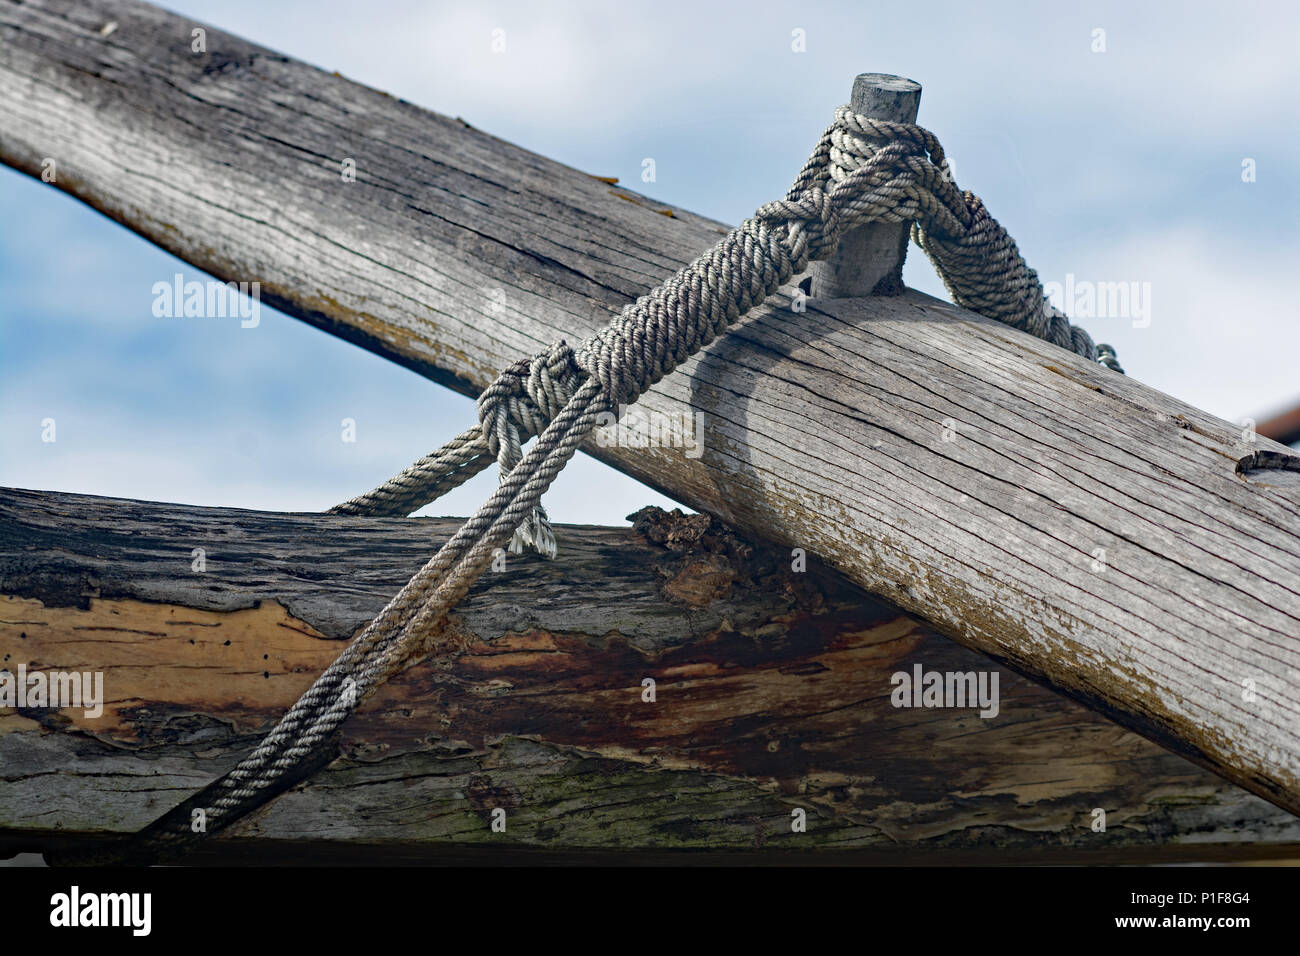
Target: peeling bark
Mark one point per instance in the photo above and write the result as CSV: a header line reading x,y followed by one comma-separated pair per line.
x,y
772,694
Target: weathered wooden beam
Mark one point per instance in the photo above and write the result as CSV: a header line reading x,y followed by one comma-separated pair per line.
x,y
1094,532
773,694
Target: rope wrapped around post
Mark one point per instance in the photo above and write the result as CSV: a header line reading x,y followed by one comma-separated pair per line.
x,y
862,170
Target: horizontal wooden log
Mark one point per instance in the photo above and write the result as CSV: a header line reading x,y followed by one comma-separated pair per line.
x,y
1136,553
773,694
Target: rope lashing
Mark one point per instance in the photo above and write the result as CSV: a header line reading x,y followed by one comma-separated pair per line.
x,y
862,170
514,408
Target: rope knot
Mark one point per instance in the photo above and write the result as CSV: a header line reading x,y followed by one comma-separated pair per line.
x,y
862,170
525,397
519,405
856,140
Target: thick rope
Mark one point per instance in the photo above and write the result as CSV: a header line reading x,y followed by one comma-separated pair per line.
x,y
861,171
428,479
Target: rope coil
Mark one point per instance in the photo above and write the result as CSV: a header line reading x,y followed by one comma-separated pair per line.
x,y
861,170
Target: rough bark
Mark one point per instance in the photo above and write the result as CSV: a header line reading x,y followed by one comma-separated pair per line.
x,y
772,694
1095,533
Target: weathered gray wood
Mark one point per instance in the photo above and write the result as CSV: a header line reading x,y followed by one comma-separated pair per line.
x,y
869,260
1046,511
773,694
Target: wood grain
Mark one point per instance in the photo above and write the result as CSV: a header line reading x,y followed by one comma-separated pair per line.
x,y
1089,530
773,694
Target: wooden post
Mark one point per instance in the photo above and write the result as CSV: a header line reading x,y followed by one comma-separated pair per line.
x,y
869,260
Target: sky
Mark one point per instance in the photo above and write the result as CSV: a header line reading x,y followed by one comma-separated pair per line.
x,y
1112,157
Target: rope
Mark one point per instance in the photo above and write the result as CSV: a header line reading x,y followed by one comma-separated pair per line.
x,y
862,170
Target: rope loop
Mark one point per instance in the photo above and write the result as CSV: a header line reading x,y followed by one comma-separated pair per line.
x,y
524,398
517,406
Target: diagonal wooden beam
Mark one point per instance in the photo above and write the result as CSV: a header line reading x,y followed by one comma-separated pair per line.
x,y
1128,549
774,693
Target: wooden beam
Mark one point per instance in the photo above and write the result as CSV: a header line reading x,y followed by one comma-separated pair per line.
x,y
1089,530
773,694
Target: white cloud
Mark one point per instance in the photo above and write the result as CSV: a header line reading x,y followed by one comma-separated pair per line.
x,y
1223,333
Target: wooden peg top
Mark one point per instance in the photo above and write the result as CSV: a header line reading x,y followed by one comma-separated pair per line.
x,y
869,260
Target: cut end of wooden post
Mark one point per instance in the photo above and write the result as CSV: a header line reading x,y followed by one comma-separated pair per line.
x,y
869,260
885,96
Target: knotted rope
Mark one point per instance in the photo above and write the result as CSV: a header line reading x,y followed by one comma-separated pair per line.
x,y
862,170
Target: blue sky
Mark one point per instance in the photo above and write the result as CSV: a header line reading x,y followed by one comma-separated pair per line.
x,y
1123,165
